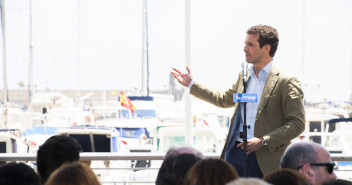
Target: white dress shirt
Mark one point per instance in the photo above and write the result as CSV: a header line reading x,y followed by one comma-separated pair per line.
x,y
255,86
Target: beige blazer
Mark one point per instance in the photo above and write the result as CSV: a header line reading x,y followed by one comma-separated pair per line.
x,y
280,116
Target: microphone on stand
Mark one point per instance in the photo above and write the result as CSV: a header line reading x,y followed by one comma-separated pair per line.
x,y
244,71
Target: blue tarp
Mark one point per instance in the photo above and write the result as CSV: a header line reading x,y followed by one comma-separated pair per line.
x,y
139,113
132,132
41,130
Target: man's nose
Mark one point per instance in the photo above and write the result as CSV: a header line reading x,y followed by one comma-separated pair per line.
x,y
245,49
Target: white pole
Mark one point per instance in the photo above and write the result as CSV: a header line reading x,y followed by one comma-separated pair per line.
x,y
188,104
4,58
78,94
303,38
144,66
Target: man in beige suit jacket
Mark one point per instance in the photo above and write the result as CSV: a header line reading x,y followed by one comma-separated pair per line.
x,y
279,114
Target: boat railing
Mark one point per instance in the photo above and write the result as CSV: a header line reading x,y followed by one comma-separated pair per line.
x,y
92,156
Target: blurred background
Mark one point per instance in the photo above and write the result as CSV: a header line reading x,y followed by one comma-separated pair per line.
x,y
94,45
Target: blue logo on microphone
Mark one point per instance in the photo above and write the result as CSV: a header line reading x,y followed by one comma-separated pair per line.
x,y
244,97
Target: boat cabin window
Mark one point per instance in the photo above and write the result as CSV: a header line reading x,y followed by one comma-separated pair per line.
x,y
98,142
101,143
84,140
2,147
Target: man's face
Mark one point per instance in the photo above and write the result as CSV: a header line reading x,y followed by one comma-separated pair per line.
x,y
254,54
321,175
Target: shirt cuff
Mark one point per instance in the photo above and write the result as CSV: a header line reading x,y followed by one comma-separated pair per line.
x,y
190,84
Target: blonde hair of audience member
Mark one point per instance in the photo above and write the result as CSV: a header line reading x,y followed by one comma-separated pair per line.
x,y
286,176
210,171
76,173
248,181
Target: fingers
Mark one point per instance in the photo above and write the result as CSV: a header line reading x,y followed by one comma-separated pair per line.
x,y
249,149
176,70
189,71
240,145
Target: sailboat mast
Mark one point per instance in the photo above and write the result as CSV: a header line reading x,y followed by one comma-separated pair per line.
x,y
30,56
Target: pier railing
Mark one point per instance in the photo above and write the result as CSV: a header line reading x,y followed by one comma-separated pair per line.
x,y
135,175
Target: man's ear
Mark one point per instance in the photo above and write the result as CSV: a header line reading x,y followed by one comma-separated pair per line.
x,y
308,172
267,47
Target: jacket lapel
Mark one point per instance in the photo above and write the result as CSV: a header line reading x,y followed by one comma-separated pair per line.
x,y
273,77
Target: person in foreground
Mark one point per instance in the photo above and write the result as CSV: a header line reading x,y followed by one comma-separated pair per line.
x,y
17,174
176,164
273,121
57,150
310,159
76,173
285,176
248,181
211,171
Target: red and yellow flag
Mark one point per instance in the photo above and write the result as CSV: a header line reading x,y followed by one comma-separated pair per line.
x,y
126,102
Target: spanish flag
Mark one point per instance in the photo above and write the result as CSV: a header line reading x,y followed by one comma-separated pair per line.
x,y
126,102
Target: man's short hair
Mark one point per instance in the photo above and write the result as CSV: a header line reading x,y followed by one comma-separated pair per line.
x,y
267,35
54,152
299,154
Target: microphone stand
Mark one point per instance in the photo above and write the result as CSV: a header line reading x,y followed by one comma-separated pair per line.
x,y
245,170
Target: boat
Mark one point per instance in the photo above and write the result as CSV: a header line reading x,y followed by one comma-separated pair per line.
x,y
12,141
98,139
333,134
136,130
94,138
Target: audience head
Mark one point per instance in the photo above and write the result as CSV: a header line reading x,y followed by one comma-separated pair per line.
x,y
174,168
310,159
57,150
211,171
18,173
248,181
338,182
75,173
184,150
286,176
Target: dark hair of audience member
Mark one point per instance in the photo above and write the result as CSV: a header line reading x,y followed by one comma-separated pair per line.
x,y
174,168
285,176
211,171
338,182
18,173
184,150
75,173
57,150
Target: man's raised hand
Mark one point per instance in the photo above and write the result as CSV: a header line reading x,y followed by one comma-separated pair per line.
x,y
183,78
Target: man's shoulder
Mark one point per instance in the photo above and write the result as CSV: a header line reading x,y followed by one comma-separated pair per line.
x,y
282,73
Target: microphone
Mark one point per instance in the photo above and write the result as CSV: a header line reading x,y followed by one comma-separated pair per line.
x,y
244,71
244,97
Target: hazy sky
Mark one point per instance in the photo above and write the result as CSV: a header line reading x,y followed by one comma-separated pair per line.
x,y
86,44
